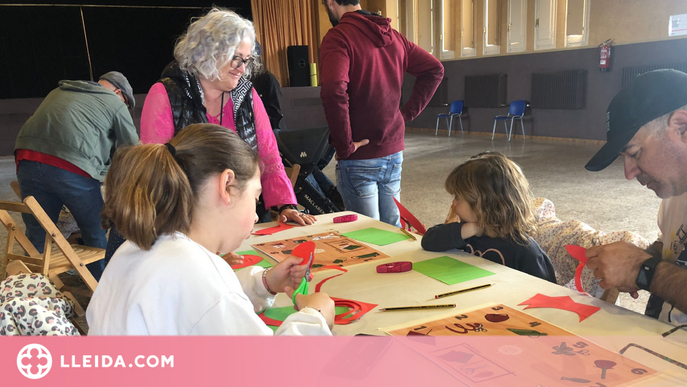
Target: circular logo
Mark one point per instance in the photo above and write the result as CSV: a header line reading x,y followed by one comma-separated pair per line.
x,y
34,361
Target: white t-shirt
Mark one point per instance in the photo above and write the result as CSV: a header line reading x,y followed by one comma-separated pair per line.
x,y
672,221
181,288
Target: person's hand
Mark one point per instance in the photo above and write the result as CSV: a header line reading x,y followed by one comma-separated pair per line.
x,y
320,301
617,265
288,272
292,215
452,216
233,259
471,229
356,145
359,144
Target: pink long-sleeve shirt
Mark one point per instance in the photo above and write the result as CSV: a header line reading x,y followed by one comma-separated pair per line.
x,y
157,126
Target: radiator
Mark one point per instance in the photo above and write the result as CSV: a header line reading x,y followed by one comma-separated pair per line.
x,y
486,90
559,90
630,72
440,97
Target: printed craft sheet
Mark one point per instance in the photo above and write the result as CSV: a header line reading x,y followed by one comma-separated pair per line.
x,y
500,346
331,248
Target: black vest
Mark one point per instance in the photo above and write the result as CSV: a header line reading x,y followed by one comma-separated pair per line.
x,y
186,98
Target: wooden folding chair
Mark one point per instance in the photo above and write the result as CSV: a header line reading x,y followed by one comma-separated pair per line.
x,y
292,173
74,237
58,255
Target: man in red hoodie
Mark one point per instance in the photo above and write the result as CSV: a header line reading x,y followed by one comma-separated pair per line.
x,y
363,61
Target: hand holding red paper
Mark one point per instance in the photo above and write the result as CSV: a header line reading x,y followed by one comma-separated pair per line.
x,y
578,252
617,265
288,273
304,250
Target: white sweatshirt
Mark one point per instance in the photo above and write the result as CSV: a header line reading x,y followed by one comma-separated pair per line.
x,y
181,288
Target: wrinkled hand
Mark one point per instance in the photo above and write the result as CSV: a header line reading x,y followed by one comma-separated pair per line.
x,y
288,272
233,258
296,216
319,301
617,265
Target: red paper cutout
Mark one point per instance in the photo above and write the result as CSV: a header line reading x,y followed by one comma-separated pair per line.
x,y
335,267
269,321
564,303
304,250
578,252
410,219
248,260
356,310
273,230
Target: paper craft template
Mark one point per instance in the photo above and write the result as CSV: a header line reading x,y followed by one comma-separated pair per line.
x,y
331,249
501,346
377,236
564,303
450,270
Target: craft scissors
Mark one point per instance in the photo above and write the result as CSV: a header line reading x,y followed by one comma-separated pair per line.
x,y
303,287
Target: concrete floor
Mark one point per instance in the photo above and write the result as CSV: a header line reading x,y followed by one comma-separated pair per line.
x,y
555,169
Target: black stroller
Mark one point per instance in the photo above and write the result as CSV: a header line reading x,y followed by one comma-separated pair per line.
x,y
309,149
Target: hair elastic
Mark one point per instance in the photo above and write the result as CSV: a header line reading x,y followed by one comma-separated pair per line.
x,y
171,149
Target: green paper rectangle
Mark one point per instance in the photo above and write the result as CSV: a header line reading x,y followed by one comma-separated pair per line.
x,y
450,270
377,236
266,262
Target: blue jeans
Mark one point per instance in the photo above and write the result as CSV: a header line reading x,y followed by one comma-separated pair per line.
x,y
53,187
370,186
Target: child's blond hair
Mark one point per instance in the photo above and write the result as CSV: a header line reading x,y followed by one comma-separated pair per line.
x,y
497,192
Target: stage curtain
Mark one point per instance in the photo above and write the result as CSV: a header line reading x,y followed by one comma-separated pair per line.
x,y
280,24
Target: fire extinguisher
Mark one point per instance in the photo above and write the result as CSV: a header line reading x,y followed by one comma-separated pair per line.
x,y
605,56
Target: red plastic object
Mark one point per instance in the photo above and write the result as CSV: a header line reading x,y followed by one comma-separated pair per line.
x,y
395,267
346,218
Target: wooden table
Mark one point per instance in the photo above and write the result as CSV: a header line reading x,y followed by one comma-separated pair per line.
x,y
612,327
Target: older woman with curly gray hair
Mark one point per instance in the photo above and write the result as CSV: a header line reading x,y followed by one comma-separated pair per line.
x,y
208,82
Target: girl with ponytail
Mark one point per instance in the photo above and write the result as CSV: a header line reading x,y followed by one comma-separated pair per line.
x,y
177,204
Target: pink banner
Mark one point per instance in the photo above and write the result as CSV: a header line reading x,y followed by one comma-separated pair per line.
x,y
299,361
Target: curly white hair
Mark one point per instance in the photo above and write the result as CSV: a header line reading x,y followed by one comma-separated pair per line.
x,y
210,41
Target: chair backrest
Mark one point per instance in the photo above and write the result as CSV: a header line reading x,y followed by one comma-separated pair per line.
x,y
65,258
457,107
517,108
292,173
302,146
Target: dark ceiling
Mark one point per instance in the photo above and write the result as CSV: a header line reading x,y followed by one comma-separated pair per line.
x,y
42,44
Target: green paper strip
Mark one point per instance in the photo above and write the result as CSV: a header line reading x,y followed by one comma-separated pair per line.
x,y
377,236
450,270
280,314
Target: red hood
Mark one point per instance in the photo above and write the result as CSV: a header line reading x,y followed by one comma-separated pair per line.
x,y
376,28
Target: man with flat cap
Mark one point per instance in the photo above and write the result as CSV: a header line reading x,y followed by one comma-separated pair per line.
x,y
646,125
64,150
